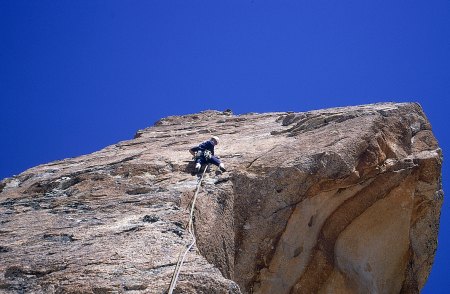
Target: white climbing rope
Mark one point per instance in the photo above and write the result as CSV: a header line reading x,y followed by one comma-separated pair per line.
x,y
182,256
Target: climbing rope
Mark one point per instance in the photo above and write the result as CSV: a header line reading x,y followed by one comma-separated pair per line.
x,y
182,256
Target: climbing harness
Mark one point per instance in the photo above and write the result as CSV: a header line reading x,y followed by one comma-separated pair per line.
x,y
207,154
203,153
182,256
198,154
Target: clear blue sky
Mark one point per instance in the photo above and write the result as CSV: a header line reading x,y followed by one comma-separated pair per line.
x,y
76,76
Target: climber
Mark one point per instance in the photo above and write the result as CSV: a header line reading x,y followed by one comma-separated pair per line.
x,y
204,153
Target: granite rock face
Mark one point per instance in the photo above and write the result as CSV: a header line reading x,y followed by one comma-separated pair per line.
x,y
342,200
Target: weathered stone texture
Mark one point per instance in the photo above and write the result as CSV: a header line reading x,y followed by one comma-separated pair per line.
x,y
342,200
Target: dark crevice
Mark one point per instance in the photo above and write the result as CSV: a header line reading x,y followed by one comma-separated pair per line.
x,y
253,161
15,272
227,260
139,190
129,230
63,238
4,249
2,186
289,206
410,284
221,180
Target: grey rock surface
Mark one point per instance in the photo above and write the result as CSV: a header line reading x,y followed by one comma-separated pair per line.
x,y
342,200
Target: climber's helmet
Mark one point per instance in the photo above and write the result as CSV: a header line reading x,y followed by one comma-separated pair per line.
x,y
215,140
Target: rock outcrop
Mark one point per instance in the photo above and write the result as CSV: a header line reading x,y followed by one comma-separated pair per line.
x,y
342,200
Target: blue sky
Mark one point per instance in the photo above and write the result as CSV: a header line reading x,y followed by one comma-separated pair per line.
x,y
76,76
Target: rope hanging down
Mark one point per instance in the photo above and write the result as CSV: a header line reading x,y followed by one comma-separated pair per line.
x,y
182,256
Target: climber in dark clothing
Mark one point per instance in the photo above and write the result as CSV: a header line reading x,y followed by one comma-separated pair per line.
x,y
204,153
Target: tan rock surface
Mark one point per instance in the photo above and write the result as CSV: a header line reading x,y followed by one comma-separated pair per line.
x,y
343,200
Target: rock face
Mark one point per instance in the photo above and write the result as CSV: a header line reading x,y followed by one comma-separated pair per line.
x,y
343,200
